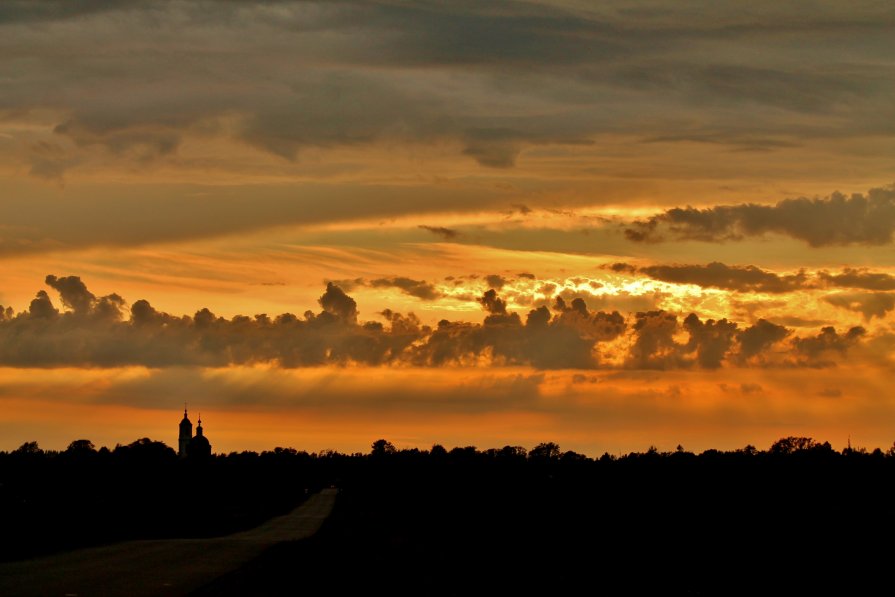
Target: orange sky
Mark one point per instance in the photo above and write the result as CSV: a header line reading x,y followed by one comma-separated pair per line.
x,y
562,184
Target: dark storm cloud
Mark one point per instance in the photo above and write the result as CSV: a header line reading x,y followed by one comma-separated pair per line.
x,y
102,332
867,219
748,278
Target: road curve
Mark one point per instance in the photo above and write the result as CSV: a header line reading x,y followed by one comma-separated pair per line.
x,y
158,567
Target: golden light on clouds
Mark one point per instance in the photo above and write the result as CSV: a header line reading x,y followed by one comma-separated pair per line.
x,y
611,227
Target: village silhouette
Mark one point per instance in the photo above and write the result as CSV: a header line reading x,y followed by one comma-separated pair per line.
x,y
469,521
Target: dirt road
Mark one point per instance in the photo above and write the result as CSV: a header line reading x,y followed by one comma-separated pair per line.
x,y
159,567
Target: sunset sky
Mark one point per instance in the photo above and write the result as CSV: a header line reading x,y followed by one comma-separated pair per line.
x,y
605,224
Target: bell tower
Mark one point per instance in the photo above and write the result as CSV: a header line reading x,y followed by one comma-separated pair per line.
x,y
186,434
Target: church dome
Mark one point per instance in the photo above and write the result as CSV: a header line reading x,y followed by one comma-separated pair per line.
x,y
199,446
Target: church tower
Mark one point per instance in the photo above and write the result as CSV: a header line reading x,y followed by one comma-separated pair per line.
x,y
199,447
186,434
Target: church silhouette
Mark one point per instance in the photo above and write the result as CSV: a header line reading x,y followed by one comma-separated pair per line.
x,y
190,446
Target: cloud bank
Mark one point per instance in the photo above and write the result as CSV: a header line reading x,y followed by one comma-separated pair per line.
x,y
102,331
862,219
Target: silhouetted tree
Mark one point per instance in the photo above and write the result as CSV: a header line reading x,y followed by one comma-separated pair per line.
x,y
572,456
792,444
515,453
382,447
545,451
28,448
80,446
145,450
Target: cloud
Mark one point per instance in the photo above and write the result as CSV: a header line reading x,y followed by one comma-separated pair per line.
x,y
620,267
748,278
417,288
654,345
335,302
495,79
445,233
498,84
494,281
93,331
756,339
869,304
711,339
859,278
73,292
828,344
835,220
798,322
492,303
709,345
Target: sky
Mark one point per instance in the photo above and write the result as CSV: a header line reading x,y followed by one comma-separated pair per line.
x,y
608,225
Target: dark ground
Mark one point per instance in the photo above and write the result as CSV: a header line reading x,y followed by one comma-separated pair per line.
x,y
798,519
669,530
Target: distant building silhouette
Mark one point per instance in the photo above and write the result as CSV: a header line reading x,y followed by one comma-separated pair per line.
x,y
199,446
191,446
186,434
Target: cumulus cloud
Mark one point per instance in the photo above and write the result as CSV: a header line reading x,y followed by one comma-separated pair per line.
x,y
658,344
102,332
654,345
335,302
864,219
495,281
757,338
711,340
492,303
73,292
827,346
